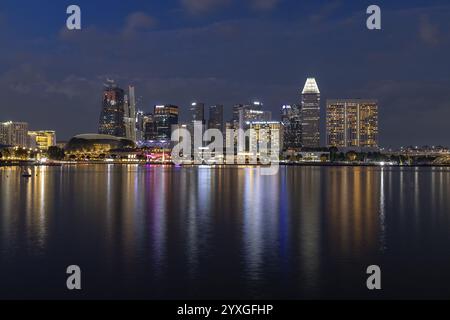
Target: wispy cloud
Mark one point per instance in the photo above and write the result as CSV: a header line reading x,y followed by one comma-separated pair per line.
x,y
137,21
264,5
203,6
428,32
326,11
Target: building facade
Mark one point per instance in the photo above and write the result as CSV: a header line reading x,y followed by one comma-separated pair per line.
x,y
130,114
14,134
243,113
42,139
197,112
164,117
352,123
291,119
140,131
310,114
149,127
216,117
265,133
113,111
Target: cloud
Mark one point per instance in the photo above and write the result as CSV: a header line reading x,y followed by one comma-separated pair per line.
x,y
236,60
264,5
326,11
203,6
137,21
428,32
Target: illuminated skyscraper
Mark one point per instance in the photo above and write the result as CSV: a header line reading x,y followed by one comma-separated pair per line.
x,y
265,133
310,114
164,117
290,117
14,134
243,113
352,123
113,111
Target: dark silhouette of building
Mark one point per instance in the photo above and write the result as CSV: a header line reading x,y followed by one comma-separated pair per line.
x,y
291,119
197,112
216,117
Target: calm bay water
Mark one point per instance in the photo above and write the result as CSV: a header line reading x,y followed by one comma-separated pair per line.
x,y
155,232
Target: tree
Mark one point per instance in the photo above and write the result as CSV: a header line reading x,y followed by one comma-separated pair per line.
x,y
351,156
6,153
324,157
21,153
55,153
333,153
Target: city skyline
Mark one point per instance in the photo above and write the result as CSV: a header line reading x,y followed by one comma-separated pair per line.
x,y
52,73
120,116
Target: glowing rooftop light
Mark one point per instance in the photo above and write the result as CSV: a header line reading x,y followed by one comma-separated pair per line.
x,y
310,86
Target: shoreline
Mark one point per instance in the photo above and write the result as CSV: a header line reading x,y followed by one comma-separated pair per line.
x,y
304,164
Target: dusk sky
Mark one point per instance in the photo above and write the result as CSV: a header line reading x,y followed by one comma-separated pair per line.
x,y
227,52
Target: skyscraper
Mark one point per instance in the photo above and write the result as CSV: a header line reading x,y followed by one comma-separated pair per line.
x,y
197,112
113,111
130,114
14,134
352,123
290,117
164,117
243,113
149,127
140,125
310,114
266,133
216,117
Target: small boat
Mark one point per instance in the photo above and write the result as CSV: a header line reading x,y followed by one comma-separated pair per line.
x,y
26,173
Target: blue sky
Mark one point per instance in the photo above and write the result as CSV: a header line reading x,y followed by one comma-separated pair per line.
x,y
227,51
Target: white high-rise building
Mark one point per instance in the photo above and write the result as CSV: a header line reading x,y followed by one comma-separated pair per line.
x,y
130,114
310,114
14,134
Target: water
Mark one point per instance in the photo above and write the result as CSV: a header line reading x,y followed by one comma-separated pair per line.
x,y
151,232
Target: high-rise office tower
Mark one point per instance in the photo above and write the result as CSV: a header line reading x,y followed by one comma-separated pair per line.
x,y
149,127
216,117
113,111
197,112
266,133
164,117
310,114
352,123
14,134
243,113
140,125
130,114
290,118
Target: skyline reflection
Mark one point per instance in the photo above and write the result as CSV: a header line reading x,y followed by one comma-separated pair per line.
x,y
165,232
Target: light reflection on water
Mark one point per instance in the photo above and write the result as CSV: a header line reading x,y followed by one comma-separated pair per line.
x,y
163,232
